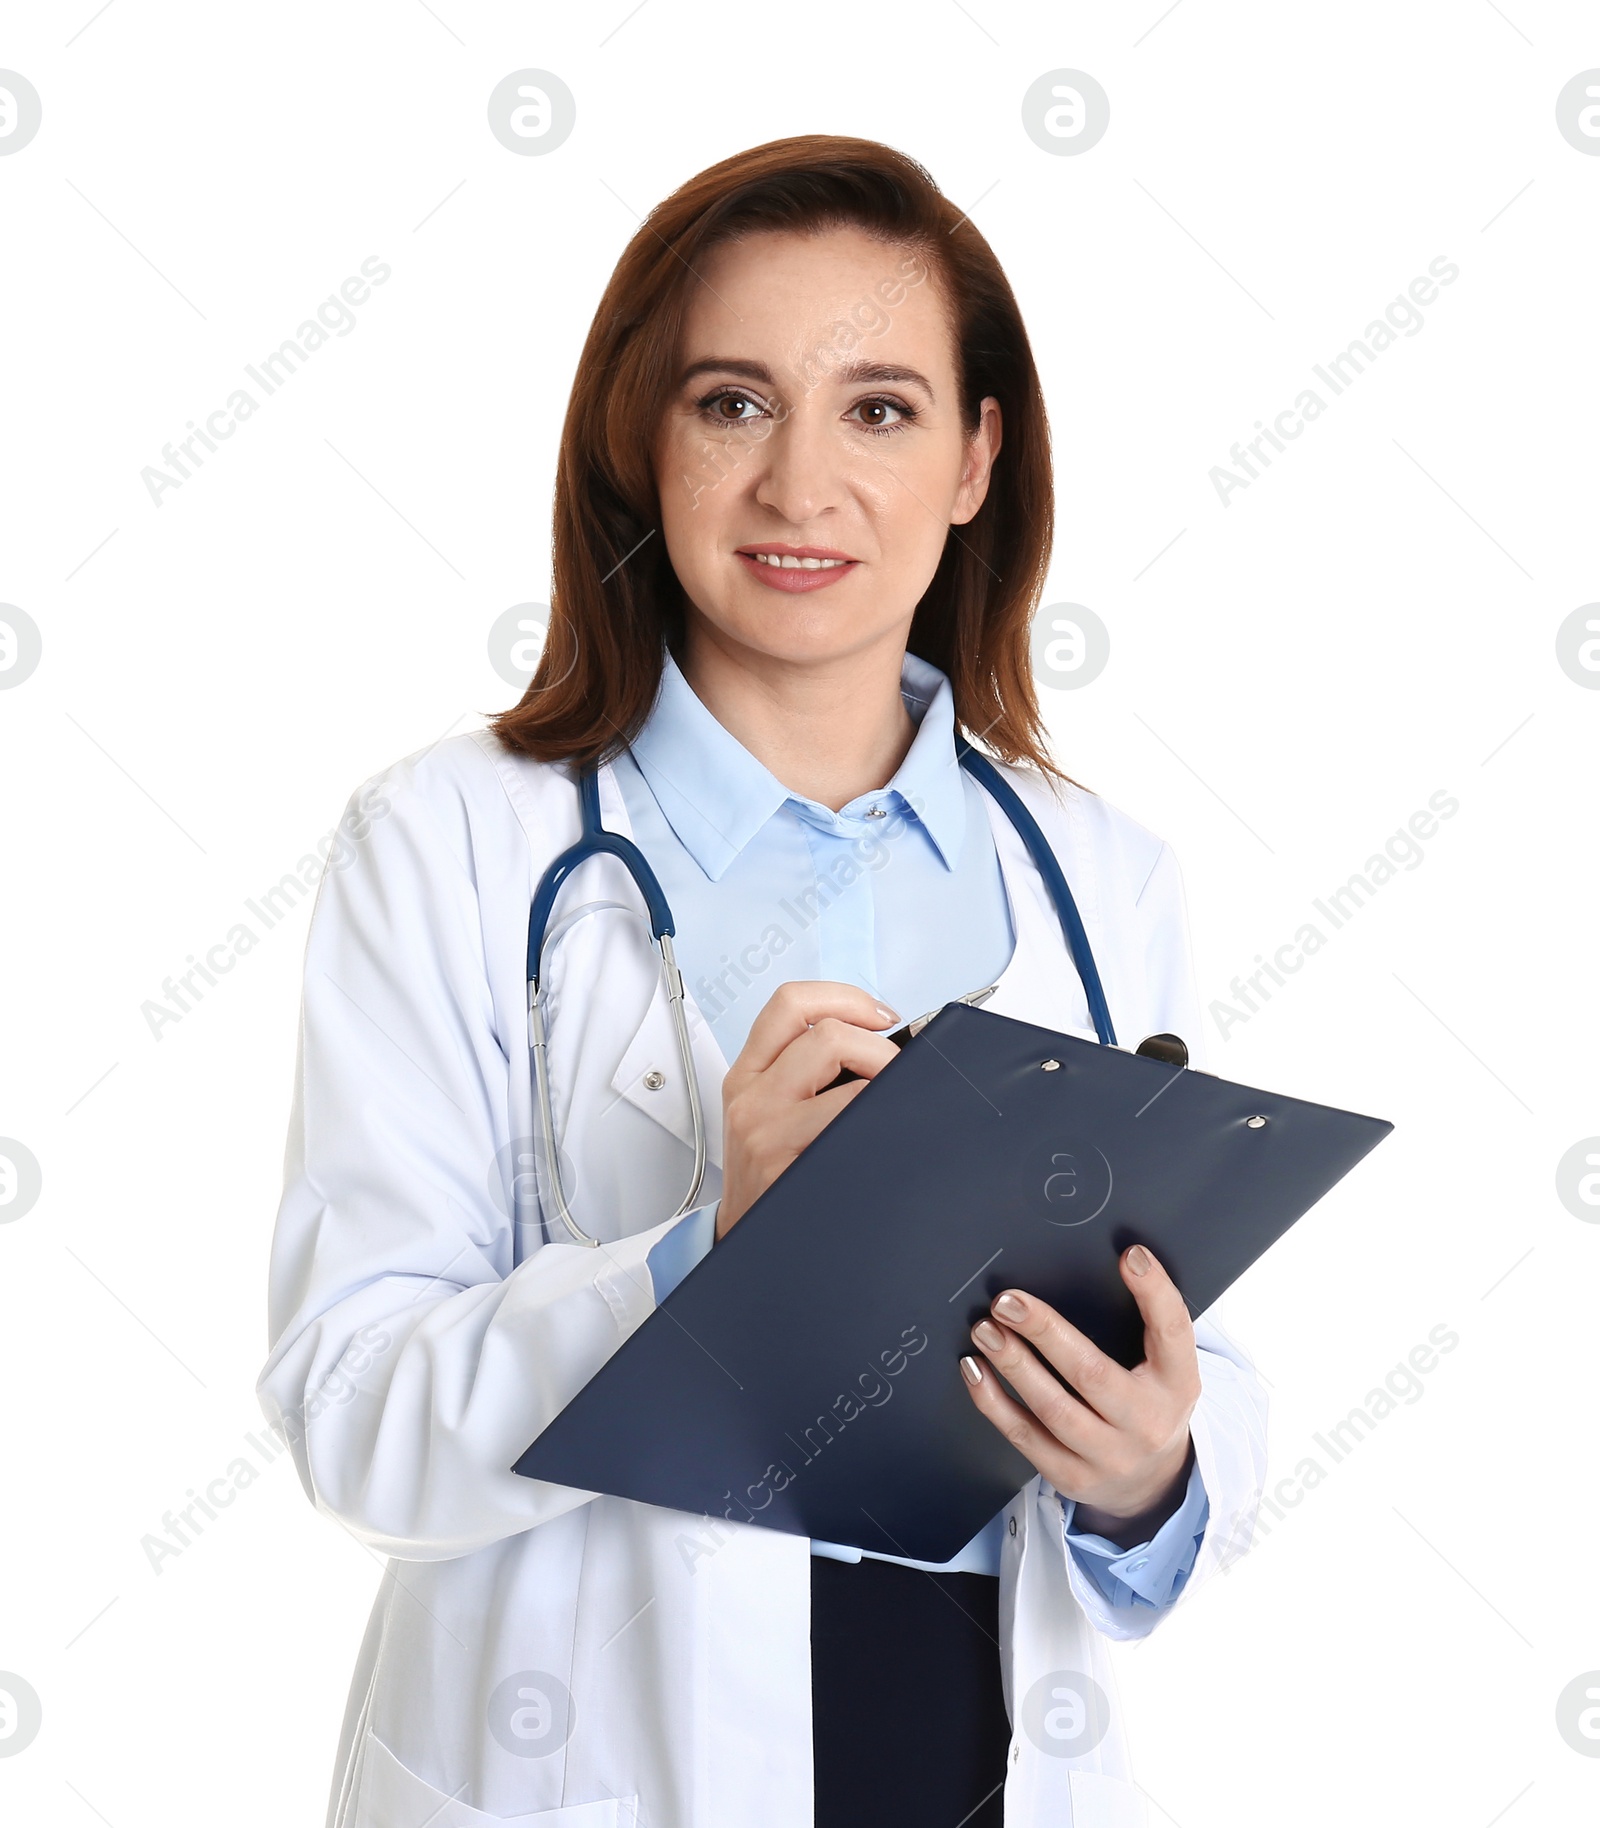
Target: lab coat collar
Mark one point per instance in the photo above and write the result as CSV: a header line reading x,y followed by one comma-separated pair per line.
x,y
716,795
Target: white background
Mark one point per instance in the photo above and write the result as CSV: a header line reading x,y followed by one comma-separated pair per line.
x,y
1292,675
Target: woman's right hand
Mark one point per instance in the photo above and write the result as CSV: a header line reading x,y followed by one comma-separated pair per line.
x,y
772,1101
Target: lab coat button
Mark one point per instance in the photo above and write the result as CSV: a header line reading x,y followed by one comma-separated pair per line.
x,y
653,1081
1013,1526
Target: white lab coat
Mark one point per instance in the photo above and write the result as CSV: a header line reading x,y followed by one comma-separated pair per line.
x,y
423,1330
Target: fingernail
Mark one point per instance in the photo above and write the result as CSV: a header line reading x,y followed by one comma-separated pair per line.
x,y
887,1014
1008,1307
972,1371
989,1336
1138,1259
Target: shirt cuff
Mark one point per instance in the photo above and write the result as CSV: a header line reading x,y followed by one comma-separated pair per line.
x,y
1151,1573
672,1257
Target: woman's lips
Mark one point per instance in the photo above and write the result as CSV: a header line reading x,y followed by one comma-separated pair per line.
x,y
795,577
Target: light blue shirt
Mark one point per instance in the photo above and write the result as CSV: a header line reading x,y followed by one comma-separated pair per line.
x,y
901,892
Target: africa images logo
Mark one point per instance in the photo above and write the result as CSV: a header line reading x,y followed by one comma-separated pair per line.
x,y
1077,1182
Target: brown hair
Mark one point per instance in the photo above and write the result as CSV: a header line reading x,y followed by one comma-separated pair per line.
x,y
615,598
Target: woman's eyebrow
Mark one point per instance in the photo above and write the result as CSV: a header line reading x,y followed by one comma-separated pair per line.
x,y
851,373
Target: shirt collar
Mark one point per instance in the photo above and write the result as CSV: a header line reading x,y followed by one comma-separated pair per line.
x,y
716,795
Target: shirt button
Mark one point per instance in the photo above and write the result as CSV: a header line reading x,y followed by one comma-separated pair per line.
x,y
1135,1566
876,812
1013,1526
653,1081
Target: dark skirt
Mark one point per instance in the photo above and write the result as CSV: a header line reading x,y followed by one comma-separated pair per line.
x,y
908,1716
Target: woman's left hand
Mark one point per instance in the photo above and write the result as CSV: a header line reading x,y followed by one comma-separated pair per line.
x,y
1120,1446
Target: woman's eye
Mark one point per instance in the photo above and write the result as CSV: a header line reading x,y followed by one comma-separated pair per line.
x,y
883,415
728,408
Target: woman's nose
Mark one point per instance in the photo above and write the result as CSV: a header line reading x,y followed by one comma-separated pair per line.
x,y
800,474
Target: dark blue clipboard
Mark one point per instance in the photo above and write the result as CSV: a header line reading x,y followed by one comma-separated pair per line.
x,y
804,1375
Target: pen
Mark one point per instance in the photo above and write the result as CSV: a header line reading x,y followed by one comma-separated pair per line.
x,y
902,1035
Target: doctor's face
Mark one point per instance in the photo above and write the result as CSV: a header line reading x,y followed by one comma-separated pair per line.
x,y
813,459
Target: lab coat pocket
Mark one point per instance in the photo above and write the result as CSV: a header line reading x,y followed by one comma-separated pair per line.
x,y
393,1796
1099,1801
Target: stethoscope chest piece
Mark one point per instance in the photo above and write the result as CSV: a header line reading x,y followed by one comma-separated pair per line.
x,y
1173,1049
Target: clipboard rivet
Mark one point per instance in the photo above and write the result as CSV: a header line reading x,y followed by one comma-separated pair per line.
x,y
1255,1123
1049,1066
653,1081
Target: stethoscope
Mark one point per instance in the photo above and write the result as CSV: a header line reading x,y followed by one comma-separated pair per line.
x,y
597,841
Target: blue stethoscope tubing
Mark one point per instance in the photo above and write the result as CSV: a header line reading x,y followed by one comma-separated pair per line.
x,y
596,841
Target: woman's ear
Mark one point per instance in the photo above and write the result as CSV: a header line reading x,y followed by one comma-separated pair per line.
x,y
981,450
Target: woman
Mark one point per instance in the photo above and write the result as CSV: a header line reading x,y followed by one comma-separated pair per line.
x,y
802,520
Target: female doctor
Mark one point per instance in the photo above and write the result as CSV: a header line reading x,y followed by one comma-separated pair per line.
x,y
802,521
